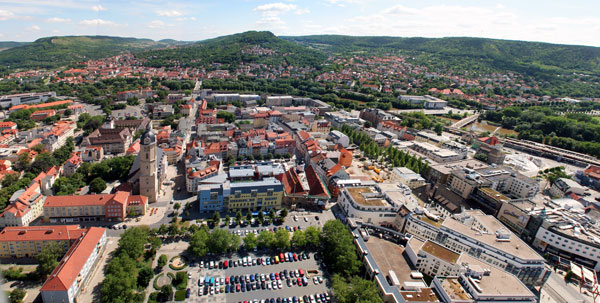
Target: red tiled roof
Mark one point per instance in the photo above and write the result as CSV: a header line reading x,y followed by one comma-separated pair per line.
x,y
291,182
317,188
41,233
67,271
84,200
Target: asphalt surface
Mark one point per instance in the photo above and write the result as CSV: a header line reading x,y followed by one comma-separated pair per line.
x,y
285,291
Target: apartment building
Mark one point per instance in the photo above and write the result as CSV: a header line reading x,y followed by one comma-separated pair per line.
x,y
28,241
485,238
112,140
25,206
58,135
109,207
74,269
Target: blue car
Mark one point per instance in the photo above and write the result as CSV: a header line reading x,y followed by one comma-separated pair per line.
x,y
226,288
251,278
187,293
268,261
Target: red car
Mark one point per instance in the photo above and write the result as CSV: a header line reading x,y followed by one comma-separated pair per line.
x,y
226,280
225,264
276,276
281,257
301,272
295,258
237,288
299,281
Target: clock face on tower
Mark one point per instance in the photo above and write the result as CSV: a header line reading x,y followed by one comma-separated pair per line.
x,y
147,140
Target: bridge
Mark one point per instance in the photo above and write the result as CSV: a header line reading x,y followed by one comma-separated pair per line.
x,y
465,121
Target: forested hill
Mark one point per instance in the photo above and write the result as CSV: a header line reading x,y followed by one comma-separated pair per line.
x,y
521,56
57,51
247,47
4,45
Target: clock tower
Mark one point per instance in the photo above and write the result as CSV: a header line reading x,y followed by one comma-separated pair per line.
x,y
148,167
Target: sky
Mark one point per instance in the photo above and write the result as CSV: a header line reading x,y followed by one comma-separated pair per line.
x,y
554,21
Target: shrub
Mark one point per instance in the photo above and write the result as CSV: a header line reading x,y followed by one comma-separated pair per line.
x,y
180,295
156,281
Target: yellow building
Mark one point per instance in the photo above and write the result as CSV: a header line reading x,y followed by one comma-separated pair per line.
x,y
255,195
28,241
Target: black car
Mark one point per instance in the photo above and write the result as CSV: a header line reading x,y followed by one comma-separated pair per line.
x,y
278,300
306,298
256,277
285,273
316,217
248,287
237,279
262,285
220,264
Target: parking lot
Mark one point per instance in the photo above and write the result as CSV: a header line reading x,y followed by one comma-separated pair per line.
x,y
294,219
309,267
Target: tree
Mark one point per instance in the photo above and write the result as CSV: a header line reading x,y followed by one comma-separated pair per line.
x,y
199,243
177,206
163,229
272,214
145,275
298,239
38,148
229,117
216,218
266,239
261,216
249,216
357,290
368,124
132,242
17,295
162,261
166,293
250,241
227,219
282,239
312,235
48,258
10,179
339,252
238,217
23,161
97,185
283,213
218,241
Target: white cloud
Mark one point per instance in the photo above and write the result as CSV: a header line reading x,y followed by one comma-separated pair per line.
x,y
58,20
99,8
343,3
34,28
96,22
271,12
5,15
186,19
399,10
169,13
158,24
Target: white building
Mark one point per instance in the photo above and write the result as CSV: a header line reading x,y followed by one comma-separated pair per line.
x,y
433,259
338,137
26,98
376,203
485,238
26,206
435,153
429,102
409,177
73,271
564,186
279,101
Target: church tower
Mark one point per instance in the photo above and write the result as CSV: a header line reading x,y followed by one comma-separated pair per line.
x,y
148,166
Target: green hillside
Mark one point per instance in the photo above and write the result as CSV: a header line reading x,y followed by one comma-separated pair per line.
x,y
4,45
228,50
57,51
533,58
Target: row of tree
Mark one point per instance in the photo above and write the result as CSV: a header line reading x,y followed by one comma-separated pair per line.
x,y
390,154
129,272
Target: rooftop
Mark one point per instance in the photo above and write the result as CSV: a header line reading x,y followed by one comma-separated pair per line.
x,y
454,289
41,233
358,195
490,225
390,256
69,268
440,252
510,284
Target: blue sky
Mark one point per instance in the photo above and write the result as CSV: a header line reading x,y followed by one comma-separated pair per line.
x,y
556,21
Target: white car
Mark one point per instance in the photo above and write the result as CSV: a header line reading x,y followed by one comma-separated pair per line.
x,y
295,218
305,219
274,284
320,279
315,280
268,285
279,284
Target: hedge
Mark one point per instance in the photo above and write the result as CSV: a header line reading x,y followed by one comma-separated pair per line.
x,y
156,280
180,295
173,267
